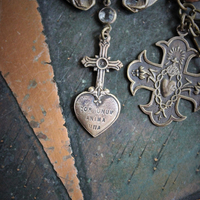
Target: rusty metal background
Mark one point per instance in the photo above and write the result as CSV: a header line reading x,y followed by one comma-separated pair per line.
x,y
132,159
25,171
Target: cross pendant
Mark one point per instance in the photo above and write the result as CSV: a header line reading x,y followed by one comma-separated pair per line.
x,y
169,81
102,63
97,109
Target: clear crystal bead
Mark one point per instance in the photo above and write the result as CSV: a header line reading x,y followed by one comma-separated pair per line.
x,y
107,15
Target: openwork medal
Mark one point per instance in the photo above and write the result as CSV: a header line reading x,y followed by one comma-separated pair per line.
x,y
169,81
97,109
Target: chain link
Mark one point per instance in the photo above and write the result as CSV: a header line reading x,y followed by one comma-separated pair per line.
x,y
187,12
107,2
106,31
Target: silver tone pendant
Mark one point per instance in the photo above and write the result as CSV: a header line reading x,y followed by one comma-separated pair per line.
x,y
97,109
137,5
169,81
82,4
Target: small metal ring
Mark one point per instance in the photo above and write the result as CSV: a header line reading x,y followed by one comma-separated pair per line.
x,y
181,32
189,5
186,6
107,2
181,5
196,10
196,32
105,32
191,20
183,20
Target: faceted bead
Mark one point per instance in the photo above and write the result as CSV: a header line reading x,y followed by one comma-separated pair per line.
x,y
107,15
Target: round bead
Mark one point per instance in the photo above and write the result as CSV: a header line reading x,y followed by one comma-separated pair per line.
x,y
107,15
91,89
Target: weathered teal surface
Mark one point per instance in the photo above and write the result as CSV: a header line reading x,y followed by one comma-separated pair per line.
x,y
25,171
133,159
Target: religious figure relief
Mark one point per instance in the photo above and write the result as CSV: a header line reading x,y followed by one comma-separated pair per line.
x,y
169,81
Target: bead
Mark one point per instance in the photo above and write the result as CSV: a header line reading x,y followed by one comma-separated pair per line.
x,y
107,15
91,89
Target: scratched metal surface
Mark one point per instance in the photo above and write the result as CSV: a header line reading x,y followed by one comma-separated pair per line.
x,y
25,171
133,159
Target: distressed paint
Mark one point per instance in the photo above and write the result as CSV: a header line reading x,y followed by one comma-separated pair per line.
x,y
25,170
120,163
24,64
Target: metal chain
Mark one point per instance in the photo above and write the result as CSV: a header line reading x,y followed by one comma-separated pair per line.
x,y
187,12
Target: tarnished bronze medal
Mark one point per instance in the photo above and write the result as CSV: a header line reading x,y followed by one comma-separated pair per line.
x,y
97,109
169,81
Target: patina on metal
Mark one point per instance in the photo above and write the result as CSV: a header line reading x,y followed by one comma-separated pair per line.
x,y
132,5
169,81
97,109
82,4
137,5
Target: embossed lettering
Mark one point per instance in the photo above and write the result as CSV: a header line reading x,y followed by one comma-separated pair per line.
x,y
97,111
95,119
94,127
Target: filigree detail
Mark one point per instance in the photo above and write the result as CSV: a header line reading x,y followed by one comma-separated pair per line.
x,y
140,73
169,81
101,63
176,55
197,88
98,93
97,109
172,70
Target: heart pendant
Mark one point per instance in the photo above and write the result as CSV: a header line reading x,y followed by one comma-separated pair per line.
x,y
167,87
96,114
97,109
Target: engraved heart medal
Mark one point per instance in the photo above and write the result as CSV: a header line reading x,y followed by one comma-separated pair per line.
x,y
97,109
169,81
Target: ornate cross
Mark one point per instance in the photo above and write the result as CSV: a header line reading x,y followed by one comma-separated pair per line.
x,y
97,109
101,64
169,81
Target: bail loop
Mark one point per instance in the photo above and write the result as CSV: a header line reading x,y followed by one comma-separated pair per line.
x,y
107,2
